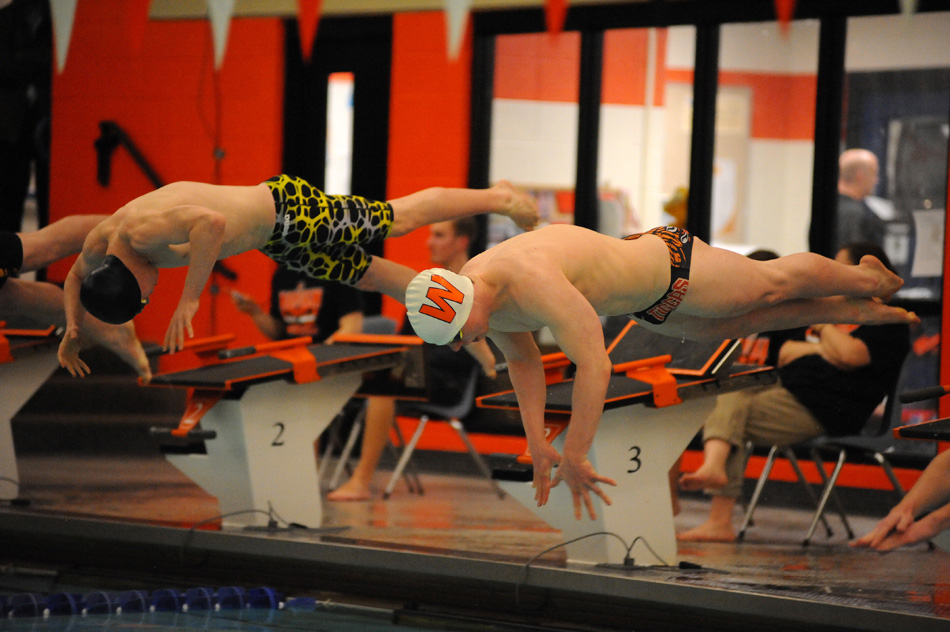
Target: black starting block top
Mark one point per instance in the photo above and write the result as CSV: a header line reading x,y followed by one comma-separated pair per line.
x,y
701,369
330,360
625,391
689,357
935,430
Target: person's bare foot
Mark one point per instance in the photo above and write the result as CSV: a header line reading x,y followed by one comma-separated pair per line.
x,y
350,491
708,532
888,282
521,207
706,477
121,340
872,311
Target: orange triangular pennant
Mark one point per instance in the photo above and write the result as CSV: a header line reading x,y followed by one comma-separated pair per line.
x,y
555,12
308,16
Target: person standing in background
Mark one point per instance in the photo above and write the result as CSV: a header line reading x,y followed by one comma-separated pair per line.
x,y
26,54
857,179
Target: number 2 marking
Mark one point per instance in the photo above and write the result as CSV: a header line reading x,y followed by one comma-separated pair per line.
x,y
277,442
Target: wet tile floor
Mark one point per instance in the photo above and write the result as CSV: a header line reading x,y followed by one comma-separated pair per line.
x,y
461,516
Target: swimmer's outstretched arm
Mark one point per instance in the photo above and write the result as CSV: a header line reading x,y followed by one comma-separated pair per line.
x,y
203,230
902,526
72,340
526,370
580,337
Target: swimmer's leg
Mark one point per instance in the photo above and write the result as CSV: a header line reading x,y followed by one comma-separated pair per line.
x,y
39,304
724,283
60,239
442,204
786,315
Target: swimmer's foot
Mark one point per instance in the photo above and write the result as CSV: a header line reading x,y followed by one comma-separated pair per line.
x,y
520,207
121,340
872,311
350,491
888,282
706,477
708,532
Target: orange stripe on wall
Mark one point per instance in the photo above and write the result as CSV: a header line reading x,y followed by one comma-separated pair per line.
x,y
626,52
538,67
783,106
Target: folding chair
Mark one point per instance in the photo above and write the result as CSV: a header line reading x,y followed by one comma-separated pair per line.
x,y
874,441
371,325
454,414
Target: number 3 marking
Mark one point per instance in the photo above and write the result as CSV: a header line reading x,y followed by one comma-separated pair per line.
x,y
635,459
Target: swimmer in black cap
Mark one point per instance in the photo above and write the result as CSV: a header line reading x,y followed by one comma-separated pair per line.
x,y
39,304
193,224
111,293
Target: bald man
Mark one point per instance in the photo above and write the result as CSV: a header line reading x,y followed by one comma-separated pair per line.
x,y
857,179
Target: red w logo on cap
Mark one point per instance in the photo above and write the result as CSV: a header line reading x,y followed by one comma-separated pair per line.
x,y
441,296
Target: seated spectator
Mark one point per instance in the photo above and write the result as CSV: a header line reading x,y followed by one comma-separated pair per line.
x,y
301,305
828,385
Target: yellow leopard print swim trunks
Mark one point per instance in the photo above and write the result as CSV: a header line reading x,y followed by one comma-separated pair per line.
x,y
323,235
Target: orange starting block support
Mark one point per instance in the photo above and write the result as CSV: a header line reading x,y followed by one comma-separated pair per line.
x,y
653,371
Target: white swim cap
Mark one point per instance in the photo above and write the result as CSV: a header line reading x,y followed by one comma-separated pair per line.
x,y
438,303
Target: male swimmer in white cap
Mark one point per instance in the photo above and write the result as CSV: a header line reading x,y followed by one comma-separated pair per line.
x,y
564,277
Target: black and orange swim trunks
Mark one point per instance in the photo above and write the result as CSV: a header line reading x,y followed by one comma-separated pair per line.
x,y
680,244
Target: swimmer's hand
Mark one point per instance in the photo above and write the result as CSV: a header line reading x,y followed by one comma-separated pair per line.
x,y
68,354
899,528
543,458
582,479
180,324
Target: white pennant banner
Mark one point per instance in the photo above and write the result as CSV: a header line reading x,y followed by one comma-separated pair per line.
x,y
63,13
456,22
219,12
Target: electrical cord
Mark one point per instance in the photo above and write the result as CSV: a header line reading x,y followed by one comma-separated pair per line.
x,y
11,480
627,560
17,501
271,522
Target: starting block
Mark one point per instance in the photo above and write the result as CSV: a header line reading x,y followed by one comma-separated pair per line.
x,y
27,359
252,416
657,400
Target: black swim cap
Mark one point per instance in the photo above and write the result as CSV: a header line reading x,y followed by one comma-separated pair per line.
x,y
111,293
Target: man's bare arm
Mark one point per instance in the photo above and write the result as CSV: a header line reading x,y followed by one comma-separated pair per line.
x,y
203,230
72,341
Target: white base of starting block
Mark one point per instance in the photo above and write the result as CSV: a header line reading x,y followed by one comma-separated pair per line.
x,y
636,446
263,456
21,379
